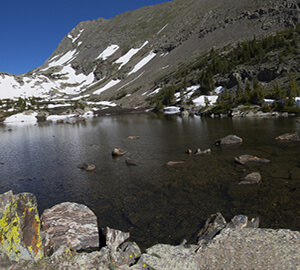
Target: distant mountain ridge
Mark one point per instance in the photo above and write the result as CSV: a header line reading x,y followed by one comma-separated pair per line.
x,y
124,59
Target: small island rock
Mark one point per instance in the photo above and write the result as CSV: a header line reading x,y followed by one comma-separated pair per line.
x,y
289,137
230,139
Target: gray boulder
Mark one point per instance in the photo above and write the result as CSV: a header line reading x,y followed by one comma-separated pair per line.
x,y
72,224
230,139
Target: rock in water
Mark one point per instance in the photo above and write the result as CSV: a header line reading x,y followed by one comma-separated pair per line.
x,y
175,163
252,178
20,227
230,139
293,137
87,167
248,158
118,152
72,224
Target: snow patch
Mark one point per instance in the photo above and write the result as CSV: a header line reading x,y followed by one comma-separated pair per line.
x,y
107,86
123,60
21,118
200,101
143,62
110,50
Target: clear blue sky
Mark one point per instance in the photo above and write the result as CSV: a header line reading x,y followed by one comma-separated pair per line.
x,y
32,29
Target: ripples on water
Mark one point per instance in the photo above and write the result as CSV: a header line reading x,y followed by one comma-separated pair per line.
x,y
155,203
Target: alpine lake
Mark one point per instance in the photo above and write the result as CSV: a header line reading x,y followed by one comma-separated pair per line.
x,y
156,203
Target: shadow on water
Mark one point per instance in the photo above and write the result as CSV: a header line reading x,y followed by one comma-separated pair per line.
x,y
151,201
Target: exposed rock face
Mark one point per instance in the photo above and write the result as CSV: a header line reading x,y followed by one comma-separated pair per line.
x,y
252,178
72,224
249,158
114,238
20,227
289,137
212,226
230,139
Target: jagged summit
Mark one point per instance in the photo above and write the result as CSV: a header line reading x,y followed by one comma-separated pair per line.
x,y
124,58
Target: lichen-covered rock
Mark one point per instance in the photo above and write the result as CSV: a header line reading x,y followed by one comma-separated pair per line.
x,y
72,224
20,227
230,139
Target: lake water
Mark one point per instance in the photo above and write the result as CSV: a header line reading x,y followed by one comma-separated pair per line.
x,y
152,202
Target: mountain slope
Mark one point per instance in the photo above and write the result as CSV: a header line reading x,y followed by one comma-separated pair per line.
x,y
127,58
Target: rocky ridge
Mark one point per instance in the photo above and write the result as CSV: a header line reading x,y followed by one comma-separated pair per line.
x,y
236,244
126,58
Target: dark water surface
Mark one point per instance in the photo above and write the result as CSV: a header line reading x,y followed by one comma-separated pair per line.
x,y
155,203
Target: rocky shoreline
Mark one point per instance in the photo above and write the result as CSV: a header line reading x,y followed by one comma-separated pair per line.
x,y
67,237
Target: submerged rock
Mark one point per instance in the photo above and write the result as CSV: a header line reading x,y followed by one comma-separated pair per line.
x,y
252,178
294,137
243,159
133,137
175,163
230,139
72,224
20,227
87,167
130,162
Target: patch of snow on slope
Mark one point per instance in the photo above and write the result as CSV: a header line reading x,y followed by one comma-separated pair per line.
x,y
154,92
162,29
75,38
200,101
103,103
107,86
131,81
143,62
123,60
67,57
21,118
110,50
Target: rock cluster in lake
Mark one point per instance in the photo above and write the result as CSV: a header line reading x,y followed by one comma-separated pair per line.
x,y
68,238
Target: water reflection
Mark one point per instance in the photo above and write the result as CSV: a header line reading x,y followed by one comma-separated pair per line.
x,y
153,202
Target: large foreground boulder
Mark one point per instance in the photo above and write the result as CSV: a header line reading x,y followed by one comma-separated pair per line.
x,y
71,224
20,227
